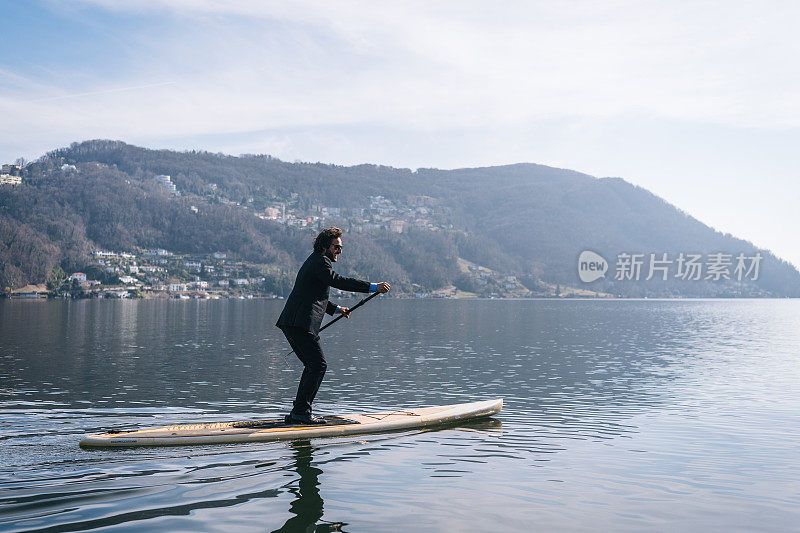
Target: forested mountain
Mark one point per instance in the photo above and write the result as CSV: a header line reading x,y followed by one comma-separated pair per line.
x,y
409,227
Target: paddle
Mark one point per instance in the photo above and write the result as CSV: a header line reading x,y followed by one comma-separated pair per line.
x,y
359,304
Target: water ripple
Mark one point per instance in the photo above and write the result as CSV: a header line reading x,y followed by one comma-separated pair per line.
x,y
620,415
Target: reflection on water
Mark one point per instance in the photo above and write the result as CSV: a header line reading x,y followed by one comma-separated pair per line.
x,y
307,505
618,415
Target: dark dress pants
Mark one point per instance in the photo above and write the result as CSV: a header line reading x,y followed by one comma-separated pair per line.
x,y
308,349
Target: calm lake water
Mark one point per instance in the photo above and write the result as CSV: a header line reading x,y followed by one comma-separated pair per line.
x,y
619,415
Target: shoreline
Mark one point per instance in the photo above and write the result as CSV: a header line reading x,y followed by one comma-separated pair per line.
x,y
460,298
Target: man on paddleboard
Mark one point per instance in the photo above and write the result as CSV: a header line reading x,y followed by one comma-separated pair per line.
x,y
302,316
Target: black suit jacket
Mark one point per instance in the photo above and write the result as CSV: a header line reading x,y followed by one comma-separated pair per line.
x,y
308,301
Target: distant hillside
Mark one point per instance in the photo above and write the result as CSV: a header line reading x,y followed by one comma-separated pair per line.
x,y
528,221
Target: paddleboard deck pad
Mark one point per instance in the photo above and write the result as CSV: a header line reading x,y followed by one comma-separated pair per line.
x,y
278,429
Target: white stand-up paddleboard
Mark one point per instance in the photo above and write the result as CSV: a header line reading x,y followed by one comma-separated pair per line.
x,y
278,429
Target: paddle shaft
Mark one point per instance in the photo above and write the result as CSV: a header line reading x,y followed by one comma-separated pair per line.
x,y
359,304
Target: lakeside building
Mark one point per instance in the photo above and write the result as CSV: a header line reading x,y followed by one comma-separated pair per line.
x,y
115,293
166,181
30,291
8,179
8,168
151,269
103,253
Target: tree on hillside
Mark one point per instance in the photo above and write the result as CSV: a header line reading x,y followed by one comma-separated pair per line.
x,y
55,278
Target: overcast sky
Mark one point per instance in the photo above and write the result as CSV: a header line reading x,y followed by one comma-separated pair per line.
x,y
699,101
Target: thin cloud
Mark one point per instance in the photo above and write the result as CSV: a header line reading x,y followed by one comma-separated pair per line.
x,y
460,60
103,92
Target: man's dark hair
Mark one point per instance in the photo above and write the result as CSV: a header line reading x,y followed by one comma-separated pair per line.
x,y
325,238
